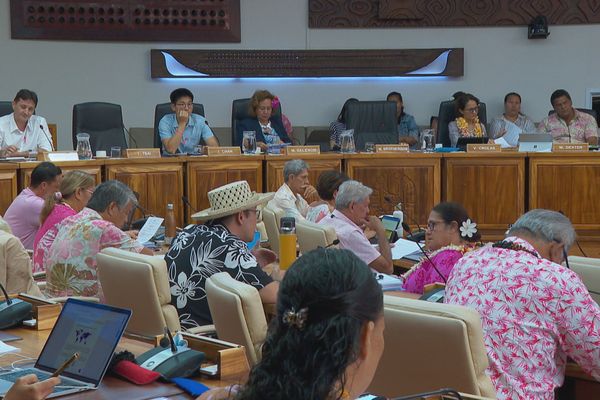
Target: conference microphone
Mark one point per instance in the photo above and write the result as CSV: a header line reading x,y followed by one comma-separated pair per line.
x,y
408,230
47,137
186,201
334,243
13,311
414,237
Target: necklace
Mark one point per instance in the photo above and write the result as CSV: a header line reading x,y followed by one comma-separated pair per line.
x,y
505,244
463,127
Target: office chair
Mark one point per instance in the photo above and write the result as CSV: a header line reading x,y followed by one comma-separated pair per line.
x,y
372,121
5,108
103,122
240,110
447,114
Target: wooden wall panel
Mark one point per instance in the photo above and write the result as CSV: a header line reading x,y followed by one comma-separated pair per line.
x,y
8,185
92,167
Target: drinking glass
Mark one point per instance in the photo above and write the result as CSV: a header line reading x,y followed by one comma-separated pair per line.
x,y
249,142
115,152
370,147
198,150
428,141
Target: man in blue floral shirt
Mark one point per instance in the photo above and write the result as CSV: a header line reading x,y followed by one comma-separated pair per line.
x,y
220,245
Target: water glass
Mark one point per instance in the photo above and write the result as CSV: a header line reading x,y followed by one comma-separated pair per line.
x,y
115,152
249,142
370,147
198,150
428,141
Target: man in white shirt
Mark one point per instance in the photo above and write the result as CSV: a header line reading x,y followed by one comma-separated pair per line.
x,y
290,197
23,132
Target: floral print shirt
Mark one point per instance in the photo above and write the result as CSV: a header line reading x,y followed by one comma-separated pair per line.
x,y
198,252
534,314
71,260
581,128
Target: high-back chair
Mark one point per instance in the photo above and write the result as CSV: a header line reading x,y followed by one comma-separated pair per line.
x,y
447,114
165,108
240,110
430,346
372,121
311,235
588,270
5,108
237,313
271,219
103,122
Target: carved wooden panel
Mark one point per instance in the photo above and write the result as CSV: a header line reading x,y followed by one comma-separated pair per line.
x,y
209,173
168,63
490,187
92,167
8,185
411,179
409,13
141,20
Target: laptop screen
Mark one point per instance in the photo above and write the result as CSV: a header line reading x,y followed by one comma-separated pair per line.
x,y
93,330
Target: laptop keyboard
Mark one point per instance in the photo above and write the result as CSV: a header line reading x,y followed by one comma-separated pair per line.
x,y
65,383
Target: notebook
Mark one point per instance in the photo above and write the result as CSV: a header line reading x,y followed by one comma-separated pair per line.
x,y
93,330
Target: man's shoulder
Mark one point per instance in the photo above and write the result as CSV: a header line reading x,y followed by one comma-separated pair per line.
x,y
167,118
584,116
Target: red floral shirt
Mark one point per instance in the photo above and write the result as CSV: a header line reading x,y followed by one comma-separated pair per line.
x,y
534,314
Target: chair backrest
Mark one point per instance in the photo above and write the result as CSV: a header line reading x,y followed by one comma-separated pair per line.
x,y
165,108
271,219
240,110
320,138
104,123
593,113
238,313
447,114
372,121
140,283
430,346
5,108
311,235
588,270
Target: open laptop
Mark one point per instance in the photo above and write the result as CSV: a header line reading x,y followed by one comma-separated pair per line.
x,y
462,142
535,142
93,330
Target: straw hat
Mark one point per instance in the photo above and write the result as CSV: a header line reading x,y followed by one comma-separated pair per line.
x,y
230,199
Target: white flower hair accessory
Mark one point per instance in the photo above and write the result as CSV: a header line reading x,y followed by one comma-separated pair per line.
x,y
468,229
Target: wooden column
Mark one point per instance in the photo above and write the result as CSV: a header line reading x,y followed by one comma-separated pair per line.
x,y
8,185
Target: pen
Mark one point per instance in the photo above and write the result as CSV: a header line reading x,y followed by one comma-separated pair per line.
x,y
65,365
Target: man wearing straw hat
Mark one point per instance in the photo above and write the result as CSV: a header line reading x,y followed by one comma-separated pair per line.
x,y
219,245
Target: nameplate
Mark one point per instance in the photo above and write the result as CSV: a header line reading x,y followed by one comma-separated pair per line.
x,y
58,156
224,151
570,147
292,150
391,148
142,153
479,148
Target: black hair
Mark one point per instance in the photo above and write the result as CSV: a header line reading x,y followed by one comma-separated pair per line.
x,y
390,94
341,118
339,294
328,182
461,101
44,172
559,93
512,94
458,94
26,94
455,212
179,93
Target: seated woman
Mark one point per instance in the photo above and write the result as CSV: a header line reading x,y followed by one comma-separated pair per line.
x,y
71,260
339,125
512,114
327,187
408,131
76,190
450,234
269,128
467,124
327,337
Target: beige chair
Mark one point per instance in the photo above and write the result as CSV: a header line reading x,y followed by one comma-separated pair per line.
x,y
311,235
430,346
588,270
271,219
237,313
140,283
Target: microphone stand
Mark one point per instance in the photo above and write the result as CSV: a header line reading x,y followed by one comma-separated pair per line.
x,y
408,230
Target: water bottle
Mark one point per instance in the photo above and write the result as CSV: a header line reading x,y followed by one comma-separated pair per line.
x,y
287,242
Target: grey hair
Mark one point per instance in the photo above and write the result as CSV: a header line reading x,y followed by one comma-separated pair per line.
x,y
108,192
351,191
545,225
293,167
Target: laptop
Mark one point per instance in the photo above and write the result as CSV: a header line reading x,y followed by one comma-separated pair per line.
x,y
462,142
535,142
90,329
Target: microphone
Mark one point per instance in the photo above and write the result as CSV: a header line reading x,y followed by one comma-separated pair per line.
x,y
186,201
576,241
13,312
47,137
334,243
415,237
408,230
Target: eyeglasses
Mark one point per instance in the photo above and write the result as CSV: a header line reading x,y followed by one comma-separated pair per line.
x,y
432,224
185,105
472,110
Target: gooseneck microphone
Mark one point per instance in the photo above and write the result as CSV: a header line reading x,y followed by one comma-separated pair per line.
x,y
334,243
408,230
13,311
414,237
47,137
186,201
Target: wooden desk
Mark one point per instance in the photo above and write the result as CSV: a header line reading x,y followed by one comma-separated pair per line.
x,y
8,185
317,163
92,167
158,181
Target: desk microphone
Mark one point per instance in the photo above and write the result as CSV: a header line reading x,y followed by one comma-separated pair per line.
x,y
13,311
186,201
414,237
408,230
47,137
334,243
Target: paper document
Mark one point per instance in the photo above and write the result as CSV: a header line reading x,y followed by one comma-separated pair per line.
x,y
149,229
503,143
403,247
6,348
512,134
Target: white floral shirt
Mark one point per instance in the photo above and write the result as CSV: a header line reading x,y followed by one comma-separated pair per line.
x,y
197,253
534,314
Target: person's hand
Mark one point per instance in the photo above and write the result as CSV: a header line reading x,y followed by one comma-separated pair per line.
x,y
370,233
375,224
222,393
132,234
263,146
9,150
264,256
182,118
28,388
310,192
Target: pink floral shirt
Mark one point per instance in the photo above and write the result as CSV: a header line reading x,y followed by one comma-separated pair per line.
x,y
46,234
534,314
581,128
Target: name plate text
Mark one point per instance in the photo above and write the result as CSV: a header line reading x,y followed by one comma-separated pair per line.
x,y
570,147
55,156
292,150
478,148
224,151
391,148
142,153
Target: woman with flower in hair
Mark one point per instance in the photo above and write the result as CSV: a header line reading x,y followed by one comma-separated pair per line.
x,y
450,234
327,338
467,123
76,190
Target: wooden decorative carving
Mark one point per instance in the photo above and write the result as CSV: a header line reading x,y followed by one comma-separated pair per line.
x,y
128,20
408,13
305,63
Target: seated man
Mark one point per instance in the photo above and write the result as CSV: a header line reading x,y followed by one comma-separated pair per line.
x,y
21,131
23,215
16,267
567,124
70,262
350,218
183,130
218,246
535,313
290,197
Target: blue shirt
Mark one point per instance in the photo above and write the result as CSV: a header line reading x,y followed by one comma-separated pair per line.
x,y
408,127
196,129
